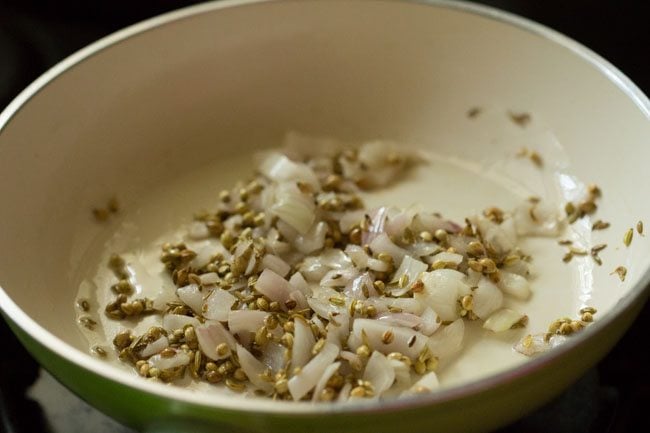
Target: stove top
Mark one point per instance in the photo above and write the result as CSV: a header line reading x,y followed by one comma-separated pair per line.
x,y
35,34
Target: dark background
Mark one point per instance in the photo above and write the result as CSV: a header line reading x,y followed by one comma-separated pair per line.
x,y
611,398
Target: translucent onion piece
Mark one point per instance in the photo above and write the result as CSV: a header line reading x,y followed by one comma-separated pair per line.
x,y
273,356
426,383
192,296
487,298
279,168
197,231
514,285
154,347
334,258
300,300
172,322
547,219
322,382
313,240
412,268
442,288
445,257
179,359
254,369
406,320
358,255
379,372
245,320
303,342
276,264
430,322
404,305
402,373
303,382
353,360
212,334
383,244
344,394
313,269
448,340
217,305
293,207
273,286
504,319
532,345
209,278
350,219
377,219
403,340
429,222
339,277
395,224
338,329
361,285
298,282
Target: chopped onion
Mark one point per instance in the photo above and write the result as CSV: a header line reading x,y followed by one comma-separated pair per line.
x,y
445,257
210,335
154,347
276,264
353,360
313,240
395,224
344,394
350,219
426,383
442,288
360,286
338,329
406,320
273,356
293,207
192,296
514,285
339,277
303,382
303,342
448,340
504,319
172,322
298,282
412,268
405,305
179,359
334,258
383,244
245,320
358,255
534,344
547,219
378,265
217,305
273,287
322,382
379,372
313,269
277,167
198,231
487,298
402,372
209,278
403,340
253,368
431,223
430,322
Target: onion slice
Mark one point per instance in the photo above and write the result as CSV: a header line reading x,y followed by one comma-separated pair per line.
x,y
303,382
